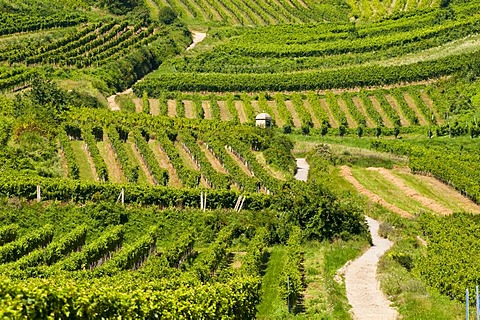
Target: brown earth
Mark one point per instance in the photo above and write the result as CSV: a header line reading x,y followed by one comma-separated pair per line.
x,y
138,104
431,106
331,119
189,109
467,204
378,107
343,107
276,115
224,113
154,107
291,108
412,193
115,173
239,162
212,159
172,108
361,107
164,162
411,103
207,109
393,102
241,112
142,164
316,123
347,174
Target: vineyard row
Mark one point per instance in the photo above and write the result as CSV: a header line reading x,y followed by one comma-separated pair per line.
x,y
409,106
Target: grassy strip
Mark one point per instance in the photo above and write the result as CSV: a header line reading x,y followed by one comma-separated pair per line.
x,y
86,173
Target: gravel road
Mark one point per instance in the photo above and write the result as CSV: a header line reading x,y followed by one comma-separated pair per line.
x,y
363,289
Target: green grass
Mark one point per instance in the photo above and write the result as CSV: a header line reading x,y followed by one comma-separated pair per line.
x,y
444,199
324,298
272,306
413,299
86,173
142,177
376,183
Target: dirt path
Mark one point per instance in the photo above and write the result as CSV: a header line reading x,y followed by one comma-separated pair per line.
x,y
189,109
197,38
114,168
331,119
431,106
302,169
224,113
411,103
291,108
164,162
403,120
172,108
343,107
216,164
361,107
412,193
112,104
347,174
441,188
241,112
363,289
142,164
385,119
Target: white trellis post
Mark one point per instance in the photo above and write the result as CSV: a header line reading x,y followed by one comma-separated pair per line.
x,y
39,196
121,197
205,202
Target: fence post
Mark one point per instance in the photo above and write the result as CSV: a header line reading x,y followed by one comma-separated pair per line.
x,y
288,294
477,298
39,196
467,313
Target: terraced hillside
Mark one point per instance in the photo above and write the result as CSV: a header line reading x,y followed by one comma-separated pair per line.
x,y
394,107
172,204
253,13
171,156
381,8
324,56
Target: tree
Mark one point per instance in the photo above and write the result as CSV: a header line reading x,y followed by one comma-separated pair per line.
x,y
324,129
119,6
396,132
360,131
167,15
342,130
378,131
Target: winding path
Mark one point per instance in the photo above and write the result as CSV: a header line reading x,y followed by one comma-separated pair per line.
x,y
302,169
363,289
